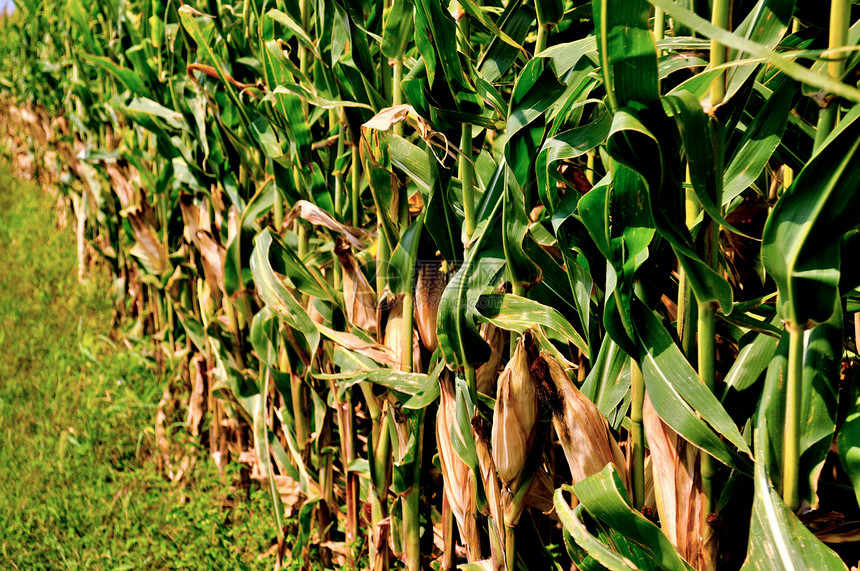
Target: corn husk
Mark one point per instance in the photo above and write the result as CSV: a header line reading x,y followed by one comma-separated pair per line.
x,y
581,428
678,491
535,491
488,373
429,285
358,296
514,417
493,491
389,320
457,477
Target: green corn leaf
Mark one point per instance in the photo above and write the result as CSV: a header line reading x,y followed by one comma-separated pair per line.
x,y
572,520
208,56
516,21
680,398
750,363
608,382
522,270
401,277
603,497
563,146
800,245
275,295
515,313
296,28
849,449
648,152
628,52
549,11
265,320
397,28
536,89
458,335
783,63
474,10
759,142
765,25
778,540
131,80
434,29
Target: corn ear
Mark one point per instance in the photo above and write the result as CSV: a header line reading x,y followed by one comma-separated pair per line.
x,y
487,374
458,479
429,285
581,428
678,491
514,417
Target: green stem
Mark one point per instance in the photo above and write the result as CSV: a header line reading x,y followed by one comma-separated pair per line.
x,y
410,506
397,92
448,539
719,17
338,193
543,35
793,393
406,332
510,547
840,19
304,10
238,353
707,338
355,202
382,259
303,239
589,168
707,359
380,441
278,210
637,434
686,307
471,382
297,394
397,99
659,25
467,177
170,323
466,171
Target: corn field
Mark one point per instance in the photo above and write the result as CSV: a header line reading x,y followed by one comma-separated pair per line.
x,y
488,284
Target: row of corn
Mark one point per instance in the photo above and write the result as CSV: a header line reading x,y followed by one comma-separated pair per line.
x,y
503,284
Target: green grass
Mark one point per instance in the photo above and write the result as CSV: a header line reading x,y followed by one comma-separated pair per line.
x,y
78,485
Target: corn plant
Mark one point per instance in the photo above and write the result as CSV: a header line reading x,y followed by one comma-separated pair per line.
x,y
454,273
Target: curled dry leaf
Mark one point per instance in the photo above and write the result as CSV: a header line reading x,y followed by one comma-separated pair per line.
x,y
314,313
197,400
214,256
359,297
379,353
121,186
151,251
318,217
390,116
